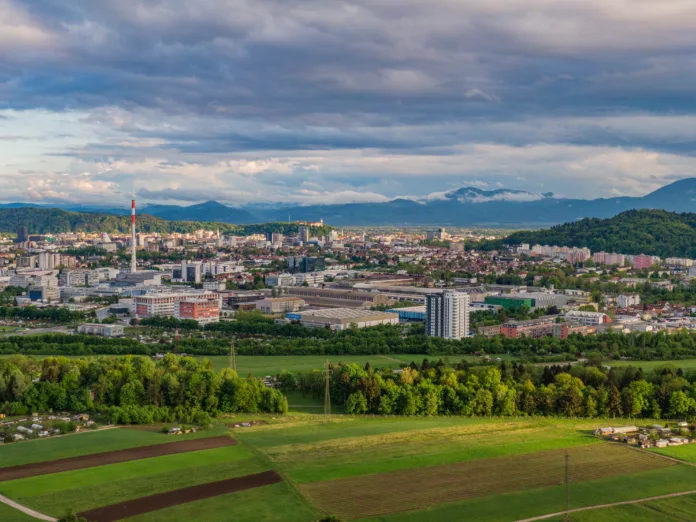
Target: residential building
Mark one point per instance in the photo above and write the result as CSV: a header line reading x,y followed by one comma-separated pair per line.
x,y
587,318
75,278
103,330
447,314
641,262
626,300
536,328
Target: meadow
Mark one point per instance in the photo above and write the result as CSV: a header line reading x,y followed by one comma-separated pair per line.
x,y
647,366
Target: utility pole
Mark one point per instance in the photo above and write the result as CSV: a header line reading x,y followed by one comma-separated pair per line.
x,y
327,396
567,475
233,360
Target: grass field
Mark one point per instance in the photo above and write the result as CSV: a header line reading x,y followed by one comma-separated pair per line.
x,y
377,469
672,509
85,443
684,364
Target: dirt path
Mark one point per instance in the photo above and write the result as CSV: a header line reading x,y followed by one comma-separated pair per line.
x,y
26,510
613,504
390,358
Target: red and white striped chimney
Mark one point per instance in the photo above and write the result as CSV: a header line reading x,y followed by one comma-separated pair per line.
x,y
134,262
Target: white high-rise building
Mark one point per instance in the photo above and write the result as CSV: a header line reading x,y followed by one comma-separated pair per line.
x,y
447,315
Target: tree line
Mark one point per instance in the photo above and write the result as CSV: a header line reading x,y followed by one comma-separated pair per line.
x,y
132,390
436,388
383,339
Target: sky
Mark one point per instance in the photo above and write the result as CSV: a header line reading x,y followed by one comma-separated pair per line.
x,y
314,101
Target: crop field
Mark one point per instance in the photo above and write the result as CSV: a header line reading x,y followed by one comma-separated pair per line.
x,y
410,490
298,468
686,453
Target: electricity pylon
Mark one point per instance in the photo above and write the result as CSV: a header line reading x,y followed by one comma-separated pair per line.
x,y
327,395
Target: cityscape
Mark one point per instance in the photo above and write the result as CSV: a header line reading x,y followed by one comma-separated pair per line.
x,y
348,261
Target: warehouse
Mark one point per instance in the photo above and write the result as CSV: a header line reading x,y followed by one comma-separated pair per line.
x,y
342,318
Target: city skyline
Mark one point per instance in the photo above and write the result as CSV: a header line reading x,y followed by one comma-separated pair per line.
x,y
310,103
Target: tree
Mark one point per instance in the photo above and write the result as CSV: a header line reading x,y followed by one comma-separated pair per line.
x,y
356,403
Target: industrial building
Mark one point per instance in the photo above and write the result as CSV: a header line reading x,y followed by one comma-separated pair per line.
x,y
447,315
410,313
334,298
531,300
280,305
342,318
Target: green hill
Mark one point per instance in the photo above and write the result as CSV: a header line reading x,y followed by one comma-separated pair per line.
x,y
53,220
652,232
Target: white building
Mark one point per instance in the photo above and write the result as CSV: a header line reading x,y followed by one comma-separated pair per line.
x,y
311,278
104,330
626,300
343,318
587,318
164,304
280,280
447,314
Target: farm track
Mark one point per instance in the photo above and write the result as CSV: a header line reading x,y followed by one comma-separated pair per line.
x,y
167,499
113,457
415,489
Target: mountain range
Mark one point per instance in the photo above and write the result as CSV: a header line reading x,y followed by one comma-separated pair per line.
x,y
466,206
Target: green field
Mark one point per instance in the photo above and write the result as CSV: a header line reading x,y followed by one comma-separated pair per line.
x,y
262,365
684,364
307,452
84,443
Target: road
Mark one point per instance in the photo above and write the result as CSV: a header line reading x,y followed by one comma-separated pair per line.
x,y
24,509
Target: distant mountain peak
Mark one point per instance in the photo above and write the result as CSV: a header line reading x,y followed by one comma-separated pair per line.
x,y
476,195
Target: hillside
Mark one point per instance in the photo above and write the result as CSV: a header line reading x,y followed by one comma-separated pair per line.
x,y
653,232
52,220
208,211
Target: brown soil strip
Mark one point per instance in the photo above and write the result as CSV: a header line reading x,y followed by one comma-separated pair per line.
x,y
415,489
143,505
113,457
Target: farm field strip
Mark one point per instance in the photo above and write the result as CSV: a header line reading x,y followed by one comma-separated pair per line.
x,y
95,476
180,496
86,443
411,440
408,490
112,457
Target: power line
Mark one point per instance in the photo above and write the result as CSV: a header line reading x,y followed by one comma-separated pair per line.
x,y
567,474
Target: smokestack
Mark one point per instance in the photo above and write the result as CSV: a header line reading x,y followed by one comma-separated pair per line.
x,y
134,262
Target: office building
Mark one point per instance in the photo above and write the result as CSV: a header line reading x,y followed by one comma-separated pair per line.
x,y
447,315
22,235
304,264
103,330
303,233
189,272
203,311
46,294
164,304
280,280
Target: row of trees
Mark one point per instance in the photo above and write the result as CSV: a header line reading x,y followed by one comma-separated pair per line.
x,y
508,390
132,389
31,313
382,339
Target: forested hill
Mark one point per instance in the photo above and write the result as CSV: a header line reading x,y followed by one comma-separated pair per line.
x,y
652,232
53,220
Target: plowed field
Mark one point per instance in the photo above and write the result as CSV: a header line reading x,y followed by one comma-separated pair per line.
x,y
179,496
407,490
113,457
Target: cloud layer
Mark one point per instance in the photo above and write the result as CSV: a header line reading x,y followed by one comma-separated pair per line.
x,y
321,102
